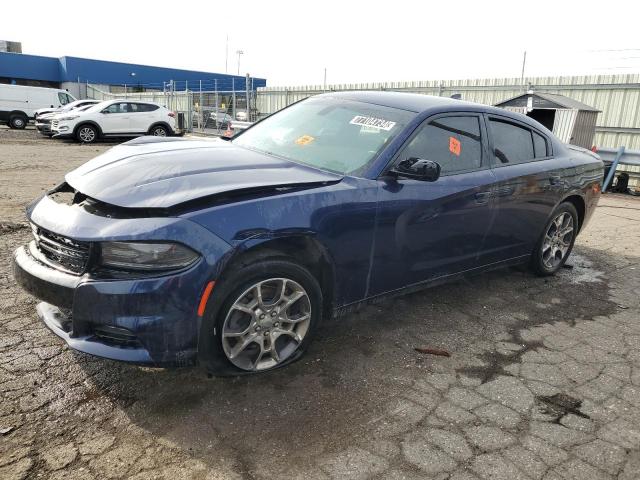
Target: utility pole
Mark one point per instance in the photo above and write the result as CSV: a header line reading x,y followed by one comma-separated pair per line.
x,y
226,58
325,80
239,52
524,62
247,92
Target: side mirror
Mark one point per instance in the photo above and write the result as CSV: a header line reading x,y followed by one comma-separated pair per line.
x,y
417,169
105,111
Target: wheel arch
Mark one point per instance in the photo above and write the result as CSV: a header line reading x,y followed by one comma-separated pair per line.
x,y
580,205
305,250
164,124
87,122
18,112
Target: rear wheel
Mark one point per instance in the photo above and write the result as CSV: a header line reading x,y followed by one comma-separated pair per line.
x,y
87,134
263,317
159,131
18,121
556,242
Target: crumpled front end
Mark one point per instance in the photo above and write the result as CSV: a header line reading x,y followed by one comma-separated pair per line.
x,y
145,317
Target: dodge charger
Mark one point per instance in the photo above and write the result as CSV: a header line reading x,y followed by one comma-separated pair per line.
x,y
230,253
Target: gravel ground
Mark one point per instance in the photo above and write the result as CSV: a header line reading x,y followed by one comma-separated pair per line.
x,y
543,380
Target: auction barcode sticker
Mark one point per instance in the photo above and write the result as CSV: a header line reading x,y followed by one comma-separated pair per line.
x,y
374,122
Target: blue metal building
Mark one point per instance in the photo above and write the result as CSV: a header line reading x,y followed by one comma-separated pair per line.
x,y
68,72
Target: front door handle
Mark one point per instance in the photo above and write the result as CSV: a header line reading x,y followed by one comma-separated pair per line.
x,y
483,197
555,179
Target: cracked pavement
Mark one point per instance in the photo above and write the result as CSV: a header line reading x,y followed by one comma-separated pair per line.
x,y
543,381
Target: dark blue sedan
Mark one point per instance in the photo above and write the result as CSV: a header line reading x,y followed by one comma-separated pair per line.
x,y
229,254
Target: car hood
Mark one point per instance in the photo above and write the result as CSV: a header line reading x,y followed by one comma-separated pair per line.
x,y
42,111
152,173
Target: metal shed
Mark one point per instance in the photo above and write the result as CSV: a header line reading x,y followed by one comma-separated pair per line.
x,y
572,121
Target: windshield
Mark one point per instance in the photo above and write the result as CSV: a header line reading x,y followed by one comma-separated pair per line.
x,y
333,134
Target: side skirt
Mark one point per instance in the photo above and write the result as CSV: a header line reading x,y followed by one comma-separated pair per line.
x,y
416,287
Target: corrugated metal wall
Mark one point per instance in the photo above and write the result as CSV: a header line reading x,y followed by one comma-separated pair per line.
x,y
584,128
618,96
563,124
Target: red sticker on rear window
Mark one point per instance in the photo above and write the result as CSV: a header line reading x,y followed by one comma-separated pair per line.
x,y
454,146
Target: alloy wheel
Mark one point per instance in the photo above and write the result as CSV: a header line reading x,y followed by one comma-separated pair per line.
x,y
266,324
87,134
557,240
159,132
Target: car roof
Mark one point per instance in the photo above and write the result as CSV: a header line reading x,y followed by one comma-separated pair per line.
x,y
130,100
418,103
412,102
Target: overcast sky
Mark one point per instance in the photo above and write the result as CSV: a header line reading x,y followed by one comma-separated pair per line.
x,y
291,43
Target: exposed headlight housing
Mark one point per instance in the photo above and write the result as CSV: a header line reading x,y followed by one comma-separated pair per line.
x,y
66,119
147,256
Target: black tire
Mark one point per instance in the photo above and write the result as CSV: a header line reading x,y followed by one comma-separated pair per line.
x,y
538,264
239,279
159,131
87,133
18,122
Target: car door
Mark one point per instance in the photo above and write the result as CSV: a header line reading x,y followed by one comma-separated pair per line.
x,y
428,230
115,119
141,116
530,181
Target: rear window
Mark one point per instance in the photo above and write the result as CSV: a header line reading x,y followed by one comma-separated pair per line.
x,y
145,107
512,144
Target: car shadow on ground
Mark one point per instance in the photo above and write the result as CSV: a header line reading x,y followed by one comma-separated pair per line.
x,y
355,365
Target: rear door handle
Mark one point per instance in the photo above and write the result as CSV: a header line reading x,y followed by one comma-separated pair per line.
x,y
483,197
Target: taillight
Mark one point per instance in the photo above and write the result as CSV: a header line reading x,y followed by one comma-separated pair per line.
x,y
594,149
171,114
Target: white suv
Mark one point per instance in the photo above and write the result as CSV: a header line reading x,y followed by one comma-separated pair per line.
x,y
115,118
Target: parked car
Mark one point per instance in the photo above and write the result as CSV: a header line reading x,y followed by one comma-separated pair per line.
x,y
18,103
65,108
230,253
115,118
43,120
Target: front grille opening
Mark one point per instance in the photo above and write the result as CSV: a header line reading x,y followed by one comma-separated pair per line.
x,y
65,194
71,255
116,336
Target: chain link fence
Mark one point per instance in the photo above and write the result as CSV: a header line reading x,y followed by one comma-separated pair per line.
x,y
211,112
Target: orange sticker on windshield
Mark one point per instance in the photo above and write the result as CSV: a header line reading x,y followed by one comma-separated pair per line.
x,y
305,139
454,146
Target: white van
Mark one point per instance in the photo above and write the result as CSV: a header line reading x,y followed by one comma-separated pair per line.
x,y
19,103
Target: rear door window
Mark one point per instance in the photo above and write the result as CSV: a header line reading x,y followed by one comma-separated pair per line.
x,y
512,144
452,141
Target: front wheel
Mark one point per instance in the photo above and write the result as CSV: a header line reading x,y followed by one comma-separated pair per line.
x,y
18,122
262,317
87,134
556,242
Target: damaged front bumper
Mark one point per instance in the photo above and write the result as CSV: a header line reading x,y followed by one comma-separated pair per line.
x,y
143,318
